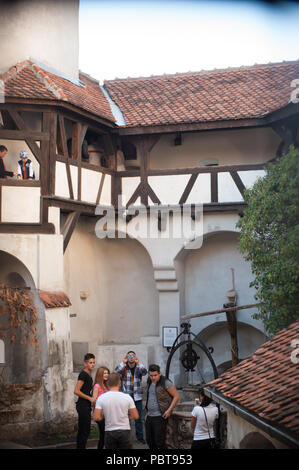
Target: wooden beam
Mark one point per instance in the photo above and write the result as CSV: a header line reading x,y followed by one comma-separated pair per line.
x,y
239,183
100,189
21,125
198,170
23,134
69,227
135,195
152,194
52,151
69,180
24,228
214,187
45,151
188,188
61,137
223,310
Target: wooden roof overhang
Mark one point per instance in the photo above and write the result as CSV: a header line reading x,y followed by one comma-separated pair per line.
x,y
289,111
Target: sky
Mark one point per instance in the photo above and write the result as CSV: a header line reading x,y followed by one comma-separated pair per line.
x,y
122,38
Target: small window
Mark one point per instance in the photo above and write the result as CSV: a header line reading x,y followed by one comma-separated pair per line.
x,y
209,162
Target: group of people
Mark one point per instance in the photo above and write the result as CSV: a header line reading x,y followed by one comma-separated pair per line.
x,y
24,167
116,398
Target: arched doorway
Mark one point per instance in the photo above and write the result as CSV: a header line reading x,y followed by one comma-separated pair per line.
x,y
22,360
255,440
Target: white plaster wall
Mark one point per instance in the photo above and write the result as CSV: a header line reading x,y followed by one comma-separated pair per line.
x,y
169,189
238,428
20,204
229,147
58,379
61,183
208,277
227,190
90,185
105,198
22,34
41,254
129,185
117,275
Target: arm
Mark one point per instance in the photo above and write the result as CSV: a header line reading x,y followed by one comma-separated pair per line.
x,y
120,367
78,392
98,414
193,422
95,392
141,367
19,172
175,398
133,413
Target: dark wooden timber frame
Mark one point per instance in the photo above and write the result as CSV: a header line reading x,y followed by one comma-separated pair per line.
x,y
53,147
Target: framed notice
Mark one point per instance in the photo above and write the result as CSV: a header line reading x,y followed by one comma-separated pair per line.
x,y
169,335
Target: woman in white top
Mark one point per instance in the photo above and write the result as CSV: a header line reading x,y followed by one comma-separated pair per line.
x,y
203,418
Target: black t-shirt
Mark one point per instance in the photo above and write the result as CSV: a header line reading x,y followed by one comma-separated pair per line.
x,y
86,387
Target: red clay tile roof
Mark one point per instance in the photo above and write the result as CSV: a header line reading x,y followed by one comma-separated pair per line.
x,y
27,80
230,94
54,299
267,383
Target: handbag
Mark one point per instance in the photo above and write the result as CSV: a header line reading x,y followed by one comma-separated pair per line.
x,y
213,442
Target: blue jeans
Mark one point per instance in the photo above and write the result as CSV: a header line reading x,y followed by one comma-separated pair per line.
x,y
138,422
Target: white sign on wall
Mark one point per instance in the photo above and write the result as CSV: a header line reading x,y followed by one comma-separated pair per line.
x,y
169,335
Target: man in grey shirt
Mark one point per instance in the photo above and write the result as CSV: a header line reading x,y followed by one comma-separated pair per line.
x,y
162,397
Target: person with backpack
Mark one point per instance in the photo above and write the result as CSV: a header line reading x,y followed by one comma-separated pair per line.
x,y
131,373
162,397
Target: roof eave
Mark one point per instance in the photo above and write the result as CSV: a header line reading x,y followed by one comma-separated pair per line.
x,y
62,104
276,432
287,111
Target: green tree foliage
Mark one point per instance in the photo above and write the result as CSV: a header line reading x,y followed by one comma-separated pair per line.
x,y
269,240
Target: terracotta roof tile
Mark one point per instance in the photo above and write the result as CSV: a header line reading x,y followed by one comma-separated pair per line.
x,y
54,299
27,80
234,93
267,383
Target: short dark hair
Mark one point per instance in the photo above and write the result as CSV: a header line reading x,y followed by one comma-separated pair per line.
x,y
131,352
89,356
2,148
113,380
206,400
154,368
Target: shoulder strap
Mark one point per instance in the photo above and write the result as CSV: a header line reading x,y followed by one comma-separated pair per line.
x,y
206,421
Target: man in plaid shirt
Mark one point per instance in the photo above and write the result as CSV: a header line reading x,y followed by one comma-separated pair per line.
x,y
131,372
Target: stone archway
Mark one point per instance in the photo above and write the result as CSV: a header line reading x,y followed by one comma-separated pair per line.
x,y
23,363
256,440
